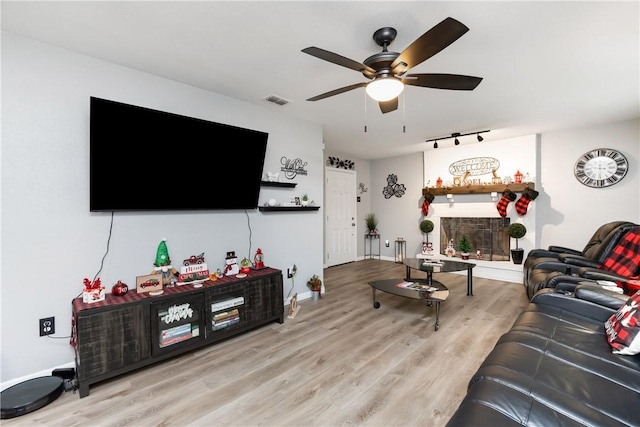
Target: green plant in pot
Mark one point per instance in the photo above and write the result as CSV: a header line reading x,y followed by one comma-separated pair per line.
x,y
465,247
305,199
371,221
517,231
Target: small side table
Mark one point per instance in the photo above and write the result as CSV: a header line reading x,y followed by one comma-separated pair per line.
x,y
370,238
401,247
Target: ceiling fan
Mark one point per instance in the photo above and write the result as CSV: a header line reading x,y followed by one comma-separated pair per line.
x,y
387,70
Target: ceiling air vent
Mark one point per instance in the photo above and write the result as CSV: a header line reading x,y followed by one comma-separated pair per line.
x,y
276,100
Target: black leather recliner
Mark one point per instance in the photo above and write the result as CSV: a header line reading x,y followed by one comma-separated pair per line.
x,y
551,274
591,249
570,264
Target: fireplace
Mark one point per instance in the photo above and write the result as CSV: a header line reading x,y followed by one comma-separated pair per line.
x,y
489,235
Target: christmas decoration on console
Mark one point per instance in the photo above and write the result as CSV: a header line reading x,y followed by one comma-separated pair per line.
x,y
231,269
508,196
119,289
162,264
245,266
93,291
258,259
522,204
193,271
428,199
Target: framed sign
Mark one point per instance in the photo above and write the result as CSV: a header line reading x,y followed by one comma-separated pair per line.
x,y
149,283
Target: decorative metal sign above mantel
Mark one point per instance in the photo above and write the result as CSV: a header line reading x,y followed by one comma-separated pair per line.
x,y
474,166
293,167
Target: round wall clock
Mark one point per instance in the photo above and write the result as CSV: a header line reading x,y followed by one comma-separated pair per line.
x,y
601,167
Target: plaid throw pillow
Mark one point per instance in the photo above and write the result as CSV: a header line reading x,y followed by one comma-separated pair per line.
x,y
623,327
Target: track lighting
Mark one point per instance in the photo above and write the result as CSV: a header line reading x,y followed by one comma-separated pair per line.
x,y
455,137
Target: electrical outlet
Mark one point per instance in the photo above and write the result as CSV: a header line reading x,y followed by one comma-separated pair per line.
x,y
47,326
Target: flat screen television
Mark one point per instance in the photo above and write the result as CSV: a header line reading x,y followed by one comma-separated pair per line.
x,y
148,160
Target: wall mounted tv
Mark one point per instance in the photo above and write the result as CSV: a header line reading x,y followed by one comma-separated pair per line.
x,y
148,160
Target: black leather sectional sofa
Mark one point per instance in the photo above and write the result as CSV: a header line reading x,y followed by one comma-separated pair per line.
x,y
555,367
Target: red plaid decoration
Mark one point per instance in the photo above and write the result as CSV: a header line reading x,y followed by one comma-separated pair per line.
x,y
428,199
624,260
523,202
508,196
623,327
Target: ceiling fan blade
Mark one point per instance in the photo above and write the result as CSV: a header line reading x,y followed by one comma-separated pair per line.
x,y
428,44
338,91
388,106
442,81
339,60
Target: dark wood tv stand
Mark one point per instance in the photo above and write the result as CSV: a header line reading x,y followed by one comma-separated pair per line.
x,y
121,334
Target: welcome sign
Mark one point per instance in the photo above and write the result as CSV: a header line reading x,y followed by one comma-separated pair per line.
x,y
474,166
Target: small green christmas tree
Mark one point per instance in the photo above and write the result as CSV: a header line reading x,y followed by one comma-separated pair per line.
x,y
465,246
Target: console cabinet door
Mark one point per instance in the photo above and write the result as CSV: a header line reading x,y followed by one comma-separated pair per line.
x,y
112,339
264,299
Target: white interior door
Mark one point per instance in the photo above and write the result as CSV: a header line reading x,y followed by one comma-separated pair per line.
x,y
340,222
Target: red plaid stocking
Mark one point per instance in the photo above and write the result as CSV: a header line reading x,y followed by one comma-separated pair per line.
x,y
428,198
508,196
523,202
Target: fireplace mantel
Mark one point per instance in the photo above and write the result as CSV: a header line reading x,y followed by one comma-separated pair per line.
x,y
477,189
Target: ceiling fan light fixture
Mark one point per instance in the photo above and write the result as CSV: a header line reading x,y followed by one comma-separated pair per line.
x,y
385,88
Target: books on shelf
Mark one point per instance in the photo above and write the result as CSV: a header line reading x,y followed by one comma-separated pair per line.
x,y
417,286
224,319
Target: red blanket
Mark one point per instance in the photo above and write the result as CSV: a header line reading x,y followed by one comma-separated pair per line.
x,y
624,260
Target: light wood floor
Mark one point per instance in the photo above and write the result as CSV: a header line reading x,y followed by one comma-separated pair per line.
x,y
339,362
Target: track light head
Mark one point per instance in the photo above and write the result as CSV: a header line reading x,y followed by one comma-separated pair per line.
x,y
455,141
435,144
480,138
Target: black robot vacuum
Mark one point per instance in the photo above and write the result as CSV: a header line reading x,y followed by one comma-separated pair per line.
x,y
30,395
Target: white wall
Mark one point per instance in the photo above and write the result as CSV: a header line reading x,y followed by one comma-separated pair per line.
x,y
567,209
50,240
565,212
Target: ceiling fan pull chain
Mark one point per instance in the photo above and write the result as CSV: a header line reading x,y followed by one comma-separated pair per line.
x,y
404,114
365,112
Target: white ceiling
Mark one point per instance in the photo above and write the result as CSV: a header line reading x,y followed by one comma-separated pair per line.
x,y
546,65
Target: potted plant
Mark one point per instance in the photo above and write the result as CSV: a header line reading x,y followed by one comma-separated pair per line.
x,y
305,199
465,247
517,231
315,284
371,220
